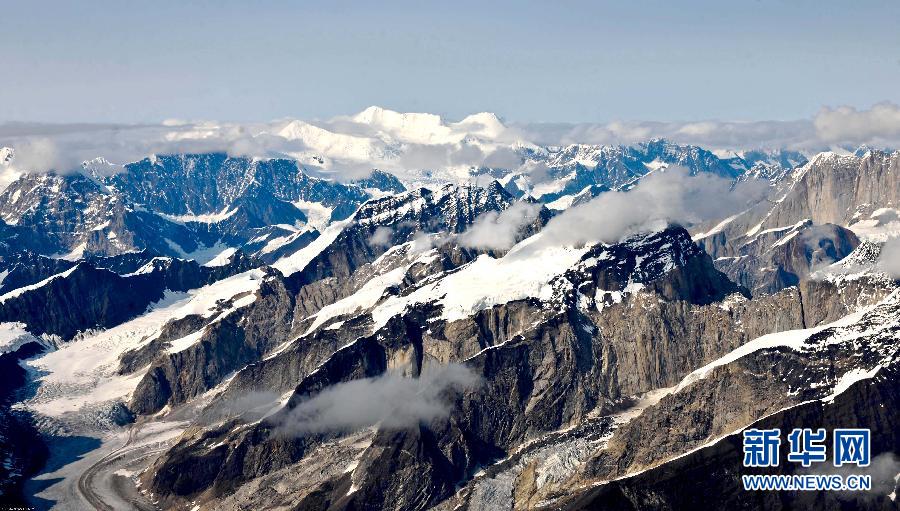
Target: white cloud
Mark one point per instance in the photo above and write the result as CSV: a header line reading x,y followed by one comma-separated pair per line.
x,y
252,406
39,153
711,134
46,148
498,231
889,260
501,157
391,401
672,196
537,171
423,241
843,126
63,147
381,237
882,469
877,125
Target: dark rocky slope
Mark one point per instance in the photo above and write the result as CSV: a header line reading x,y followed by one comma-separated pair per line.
x,y
543,366
281,306
871,403
21,447
85,296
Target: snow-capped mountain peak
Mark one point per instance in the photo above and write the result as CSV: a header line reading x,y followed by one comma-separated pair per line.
x,y
333,145
425,128
417,128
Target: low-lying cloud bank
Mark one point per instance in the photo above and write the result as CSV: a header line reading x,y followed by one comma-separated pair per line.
x,y
670,196
673,196
391,401
843,126
352,146
879,125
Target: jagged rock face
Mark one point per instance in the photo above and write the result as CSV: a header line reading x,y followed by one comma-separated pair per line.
x,y
23,452
544,366
588,193
209,183
51,212
184,184
248,216
171,205
870,404
34,197
453,208
289,241
229,341
382,181
338,271
564,176
618,166
580,167
772,261
55,214
85,296
772,166
23,268
668,262
824,301
853,283
405,216
832,189
312,347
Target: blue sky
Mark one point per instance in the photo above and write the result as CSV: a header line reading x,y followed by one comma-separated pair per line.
x,y
527,61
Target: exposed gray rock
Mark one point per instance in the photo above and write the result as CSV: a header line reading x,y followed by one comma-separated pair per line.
x,y
85,297
870,403
530,355
235,338
58,214
771,261
764,248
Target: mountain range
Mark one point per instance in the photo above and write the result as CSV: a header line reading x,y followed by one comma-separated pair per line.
x,y
400,312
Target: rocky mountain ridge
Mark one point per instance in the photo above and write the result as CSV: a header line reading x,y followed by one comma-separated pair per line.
x,y
175,206
385,357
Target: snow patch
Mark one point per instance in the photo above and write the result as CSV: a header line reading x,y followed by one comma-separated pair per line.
x,y
849,378
366,297
715,230
185,342
207,218
223,258
793,339
13,336
297,261
525,271
883,224
317,214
